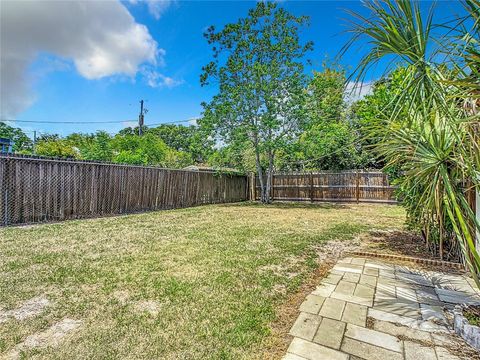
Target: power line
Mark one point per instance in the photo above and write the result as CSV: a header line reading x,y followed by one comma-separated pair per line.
x,y
93,122
124,121
63,122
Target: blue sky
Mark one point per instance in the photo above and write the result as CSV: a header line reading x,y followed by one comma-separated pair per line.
x,y
59,90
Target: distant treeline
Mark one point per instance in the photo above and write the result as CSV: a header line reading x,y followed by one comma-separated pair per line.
x,y
332,136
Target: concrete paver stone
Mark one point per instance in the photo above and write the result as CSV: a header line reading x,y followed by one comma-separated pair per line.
x,y
332,308
358,261
306,326
355,314
399,330
405,304
312,304
364,291
368,351
352,277
330,333
352,298
349,268
345,287
415,351
433,313
368,280
370,271
374,337
443,354
332,279
324,290
312,351
289,356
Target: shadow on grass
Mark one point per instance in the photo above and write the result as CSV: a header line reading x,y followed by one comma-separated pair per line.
x,y
291,205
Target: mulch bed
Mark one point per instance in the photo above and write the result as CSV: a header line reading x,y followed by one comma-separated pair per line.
x,y
399,243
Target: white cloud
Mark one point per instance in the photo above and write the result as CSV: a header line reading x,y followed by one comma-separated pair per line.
x,y
193,121
155,79
101,38
156,8
358,90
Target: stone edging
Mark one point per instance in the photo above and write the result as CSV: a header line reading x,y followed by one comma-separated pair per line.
x,y
469,333
408,258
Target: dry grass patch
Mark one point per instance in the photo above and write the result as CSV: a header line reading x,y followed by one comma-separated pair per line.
x,y
205,282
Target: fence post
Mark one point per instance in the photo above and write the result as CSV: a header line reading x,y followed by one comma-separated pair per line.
x,y
252,190
4,190
311,187
271,186
357,190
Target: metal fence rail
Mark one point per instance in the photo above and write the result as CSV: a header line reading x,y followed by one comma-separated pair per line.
x,y
41,189
348,186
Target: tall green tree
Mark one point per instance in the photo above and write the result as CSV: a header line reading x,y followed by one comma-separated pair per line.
x,y
148,149
187,139
21,142
238,155
56,147
328,141
326,100
100,148
376,110
257,64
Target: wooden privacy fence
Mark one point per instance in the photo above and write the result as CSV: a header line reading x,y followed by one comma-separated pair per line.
x,y
349,186
39,189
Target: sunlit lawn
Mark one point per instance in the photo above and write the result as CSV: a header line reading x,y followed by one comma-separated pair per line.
x,y
202,282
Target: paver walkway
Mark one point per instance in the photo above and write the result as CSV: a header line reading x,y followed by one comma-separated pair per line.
x,y
404,306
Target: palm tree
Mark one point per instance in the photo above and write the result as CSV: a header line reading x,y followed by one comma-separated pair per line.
x,y
432,134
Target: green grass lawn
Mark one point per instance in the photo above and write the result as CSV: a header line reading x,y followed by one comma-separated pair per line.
x,y
203,282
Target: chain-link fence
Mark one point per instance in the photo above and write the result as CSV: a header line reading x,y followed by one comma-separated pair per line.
x,y
41,189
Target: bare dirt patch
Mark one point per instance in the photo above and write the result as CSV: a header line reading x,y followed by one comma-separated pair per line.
x,y
122,296
50,337
148,306
28,309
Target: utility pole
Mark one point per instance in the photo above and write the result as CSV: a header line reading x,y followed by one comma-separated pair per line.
x,y
34,142
140,118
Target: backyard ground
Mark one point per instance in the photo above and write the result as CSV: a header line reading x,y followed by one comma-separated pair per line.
x,y
206,282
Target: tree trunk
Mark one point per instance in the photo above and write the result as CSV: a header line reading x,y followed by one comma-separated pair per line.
x,y
268,189
260,175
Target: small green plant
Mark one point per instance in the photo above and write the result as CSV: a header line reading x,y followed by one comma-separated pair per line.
x,y
472,314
